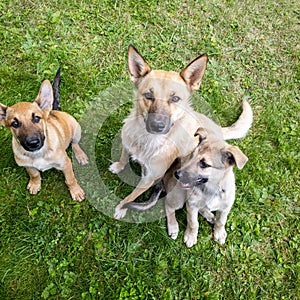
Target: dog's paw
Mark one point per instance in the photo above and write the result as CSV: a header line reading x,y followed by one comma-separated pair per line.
x,y
173,235
209,216
33,188
77,193
220,235
116,167
190,238
82,158
173,231
120,212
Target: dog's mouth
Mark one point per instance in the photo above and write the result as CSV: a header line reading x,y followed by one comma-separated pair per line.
x,y
190,185
187,181
33,144
158,123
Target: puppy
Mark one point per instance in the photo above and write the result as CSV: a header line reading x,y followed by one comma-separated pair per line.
x,y
40,137
205,182
157,131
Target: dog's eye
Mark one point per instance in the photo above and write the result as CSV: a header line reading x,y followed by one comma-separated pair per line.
x,y
15,124
203,164
174,99
149,96
36,119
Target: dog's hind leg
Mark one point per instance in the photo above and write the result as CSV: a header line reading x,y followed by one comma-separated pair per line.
x,y
78,152
34,184
208,215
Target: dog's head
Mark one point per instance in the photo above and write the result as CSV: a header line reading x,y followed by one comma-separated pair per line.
x,y
162,95
209,162
27,120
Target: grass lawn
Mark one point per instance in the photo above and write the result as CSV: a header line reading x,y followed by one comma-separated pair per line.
x,y
54,248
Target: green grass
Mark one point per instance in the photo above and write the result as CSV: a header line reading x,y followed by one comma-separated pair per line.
x,y
53,248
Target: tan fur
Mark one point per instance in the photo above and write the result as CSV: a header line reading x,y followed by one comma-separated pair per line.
x,y
157,131
212,163
36,121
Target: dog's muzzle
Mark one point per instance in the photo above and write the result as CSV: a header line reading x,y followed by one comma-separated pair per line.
x,y
32,144
158,123
188,181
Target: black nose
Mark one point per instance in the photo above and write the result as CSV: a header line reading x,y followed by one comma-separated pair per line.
x,y
178,174
33,143
157,126
158,123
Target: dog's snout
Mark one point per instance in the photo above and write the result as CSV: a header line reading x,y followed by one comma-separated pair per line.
x,y
33,143
178,174
157,126
158,123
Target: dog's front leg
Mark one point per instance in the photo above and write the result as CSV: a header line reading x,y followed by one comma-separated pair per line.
x,y
34,184
143,185
118,166
219,227
76,191
191,232
172,224
175,200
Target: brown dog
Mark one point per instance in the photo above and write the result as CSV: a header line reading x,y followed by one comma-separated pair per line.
x,y
158,129
40,138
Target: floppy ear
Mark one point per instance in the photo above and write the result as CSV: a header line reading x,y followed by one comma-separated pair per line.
x,y
234,156
202,134
193,73
3,110
45,97
137,65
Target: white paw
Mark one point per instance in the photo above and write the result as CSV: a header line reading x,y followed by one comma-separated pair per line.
x,y
116,168
220,235
173,231
33,188
77,193
190,238
80,155
82,158
120,212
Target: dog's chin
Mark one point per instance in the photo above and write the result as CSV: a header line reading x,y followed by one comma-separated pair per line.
x,y
30,149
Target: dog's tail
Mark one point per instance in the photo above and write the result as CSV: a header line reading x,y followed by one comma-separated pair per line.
x,y
158,188
240,128
56,90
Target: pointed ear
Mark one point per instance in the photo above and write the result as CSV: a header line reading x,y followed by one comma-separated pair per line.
x,y
45,97
193,73
234,156
138,67
202,134
3,110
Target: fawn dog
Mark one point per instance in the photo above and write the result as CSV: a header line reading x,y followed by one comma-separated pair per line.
x,y
158,129
204,180
40,137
